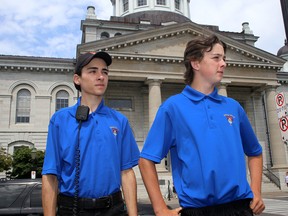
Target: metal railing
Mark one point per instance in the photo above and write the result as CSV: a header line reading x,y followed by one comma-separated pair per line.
x,y
271,176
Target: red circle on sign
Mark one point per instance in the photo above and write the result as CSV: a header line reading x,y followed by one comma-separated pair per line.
x,y
283,123
280,99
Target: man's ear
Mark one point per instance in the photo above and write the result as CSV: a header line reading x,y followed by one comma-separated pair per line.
x,y
76,79
195,65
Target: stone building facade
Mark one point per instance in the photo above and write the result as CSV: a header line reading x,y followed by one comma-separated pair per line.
x,y
146,40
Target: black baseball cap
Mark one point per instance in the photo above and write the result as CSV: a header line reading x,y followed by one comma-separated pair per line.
x,y
85,58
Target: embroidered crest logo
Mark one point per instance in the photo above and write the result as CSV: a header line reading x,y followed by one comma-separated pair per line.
x,y
230,118
114,130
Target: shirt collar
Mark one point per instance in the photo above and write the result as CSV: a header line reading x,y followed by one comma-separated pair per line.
x,y
101,109
195,95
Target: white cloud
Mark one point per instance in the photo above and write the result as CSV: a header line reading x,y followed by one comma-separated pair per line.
x,y
52,28
264,18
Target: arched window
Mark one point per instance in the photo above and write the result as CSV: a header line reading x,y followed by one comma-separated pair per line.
x,y
105,35
125,5
161,2
142,2
117,34
62,100
23,106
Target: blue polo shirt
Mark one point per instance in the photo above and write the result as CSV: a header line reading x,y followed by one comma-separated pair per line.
x,y
107,147
208,137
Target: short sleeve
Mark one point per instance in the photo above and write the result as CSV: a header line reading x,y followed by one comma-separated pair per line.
x,y
160,137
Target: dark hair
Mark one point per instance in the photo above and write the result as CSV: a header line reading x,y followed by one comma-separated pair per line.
x,y
195,50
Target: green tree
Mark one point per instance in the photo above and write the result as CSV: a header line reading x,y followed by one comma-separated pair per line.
x,y
23,163
5,160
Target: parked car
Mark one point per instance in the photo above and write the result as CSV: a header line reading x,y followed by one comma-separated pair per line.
x,y
21,197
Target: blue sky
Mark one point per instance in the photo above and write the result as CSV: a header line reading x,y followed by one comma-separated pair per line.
x,y
52,28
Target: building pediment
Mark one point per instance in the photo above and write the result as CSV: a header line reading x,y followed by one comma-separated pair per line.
x,y
167,43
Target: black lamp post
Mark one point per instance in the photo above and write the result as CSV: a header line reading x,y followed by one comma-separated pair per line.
x,y
33,156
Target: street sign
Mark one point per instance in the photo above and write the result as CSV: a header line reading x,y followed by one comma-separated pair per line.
x,y
33,174
282,115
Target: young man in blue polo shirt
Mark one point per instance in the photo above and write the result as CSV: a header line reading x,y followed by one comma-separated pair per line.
x,y
90,150
208,136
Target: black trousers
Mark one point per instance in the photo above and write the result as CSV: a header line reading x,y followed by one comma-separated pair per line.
x,y
235,208
112,205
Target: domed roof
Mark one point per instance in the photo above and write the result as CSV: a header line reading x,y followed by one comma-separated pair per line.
x,y
283,50
156,17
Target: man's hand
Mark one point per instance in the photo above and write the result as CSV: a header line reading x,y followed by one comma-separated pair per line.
x,y
168,212
257,205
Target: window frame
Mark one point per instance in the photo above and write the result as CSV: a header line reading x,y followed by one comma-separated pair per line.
x,y
141,3
177,3
125,5
161,2
66,102
131,99
23,106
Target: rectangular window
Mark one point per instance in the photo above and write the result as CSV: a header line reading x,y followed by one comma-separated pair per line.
x,y
177,4
120,104
142,2
125,5
161,2
61,103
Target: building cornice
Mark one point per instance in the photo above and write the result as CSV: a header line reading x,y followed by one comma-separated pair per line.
x,y
36,64
178,60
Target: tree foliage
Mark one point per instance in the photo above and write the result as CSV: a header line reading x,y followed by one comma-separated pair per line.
x,y
5,160
23,163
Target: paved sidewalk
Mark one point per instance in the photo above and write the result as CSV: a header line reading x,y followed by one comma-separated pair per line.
x,y
145,207
275,195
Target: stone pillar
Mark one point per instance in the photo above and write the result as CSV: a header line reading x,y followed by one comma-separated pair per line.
x,y
278,148
277,145
186,9
222,89
154,103
154,98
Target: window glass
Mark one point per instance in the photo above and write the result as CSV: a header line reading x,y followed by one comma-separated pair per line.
x,y
23,106
121,104
125,5
161,2
142,2
9,193
62,99
177,4
105,35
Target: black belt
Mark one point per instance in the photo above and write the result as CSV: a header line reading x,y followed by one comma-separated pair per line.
x,y
90,203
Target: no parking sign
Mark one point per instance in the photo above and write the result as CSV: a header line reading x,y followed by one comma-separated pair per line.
x,y
282,115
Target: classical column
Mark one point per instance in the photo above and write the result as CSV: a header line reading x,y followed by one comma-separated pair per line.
x,y
276,143
222,89
154,103
154,98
